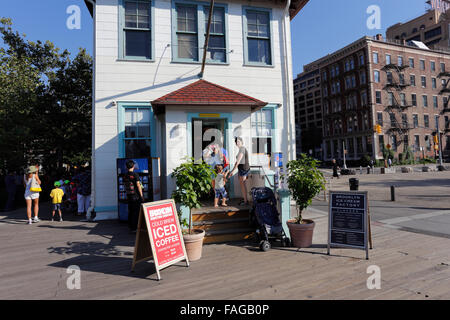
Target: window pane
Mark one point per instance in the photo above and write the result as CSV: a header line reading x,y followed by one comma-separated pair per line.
x,y
130,7
187,46
143,116
130,131
137,148
131,21
252,30
143,9
216,47
251,18
143,22
186,17
130,115
144,131
267,116
259,51
217,20
137,44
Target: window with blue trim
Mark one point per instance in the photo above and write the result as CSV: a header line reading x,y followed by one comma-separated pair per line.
x,y
136,30
190,32
258,42
216,44
262,125
137,132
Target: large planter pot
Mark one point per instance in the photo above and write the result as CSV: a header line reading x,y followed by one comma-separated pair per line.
x,y
194,244
301,234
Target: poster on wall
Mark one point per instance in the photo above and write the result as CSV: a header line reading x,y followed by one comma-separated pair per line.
x,y
159,236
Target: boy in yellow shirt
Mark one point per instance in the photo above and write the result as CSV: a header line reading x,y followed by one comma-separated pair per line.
x,y
57,195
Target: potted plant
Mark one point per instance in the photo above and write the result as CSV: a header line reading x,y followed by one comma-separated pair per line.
x,y
305,181
193,180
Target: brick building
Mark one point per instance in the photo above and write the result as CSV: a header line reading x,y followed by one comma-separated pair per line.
x,y
400,86
430,28
308,112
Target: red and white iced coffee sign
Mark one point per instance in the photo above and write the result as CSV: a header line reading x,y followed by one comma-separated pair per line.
x,y
165,233
159,236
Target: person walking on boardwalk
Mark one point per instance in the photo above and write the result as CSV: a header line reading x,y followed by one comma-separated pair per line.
x,y
30,181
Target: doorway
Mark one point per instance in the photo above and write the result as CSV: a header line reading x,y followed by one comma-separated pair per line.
x,y
206,131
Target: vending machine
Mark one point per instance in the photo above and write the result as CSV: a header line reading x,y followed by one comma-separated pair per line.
x,y
143,167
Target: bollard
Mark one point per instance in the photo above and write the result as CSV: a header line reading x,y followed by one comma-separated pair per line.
x,y
392,193
368,169
360,169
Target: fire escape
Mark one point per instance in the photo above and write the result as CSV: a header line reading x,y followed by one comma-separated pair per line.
x,y
444,76
394,108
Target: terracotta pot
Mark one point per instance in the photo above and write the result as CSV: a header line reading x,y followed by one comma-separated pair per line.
x,y
194,244
301,234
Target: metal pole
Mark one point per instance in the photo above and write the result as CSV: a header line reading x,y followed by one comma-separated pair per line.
x,y
205,47
392,193
439,141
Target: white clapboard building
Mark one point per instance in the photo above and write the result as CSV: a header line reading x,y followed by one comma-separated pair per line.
x,y
151,98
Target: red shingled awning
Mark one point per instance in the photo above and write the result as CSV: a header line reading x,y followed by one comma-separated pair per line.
x,y
205,93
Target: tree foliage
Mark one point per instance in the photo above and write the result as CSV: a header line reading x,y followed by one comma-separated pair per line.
x,y
45,102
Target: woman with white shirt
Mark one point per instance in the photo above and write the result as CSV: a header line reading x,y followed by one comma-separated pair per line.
x,y
31,198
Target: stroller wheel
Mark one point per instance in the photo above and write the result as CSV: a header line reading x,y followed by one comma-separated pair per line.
x,y
264,245
286,242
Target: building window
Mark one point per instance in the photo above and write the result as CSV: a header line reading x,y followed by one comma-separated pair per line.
x,y
414,99
425,101
262,125
186,32
361,60
136,34
433,83
435,101
380,118
375,57
402,99
376,75
258,37
362,77
400,61
390,99
426,121
381,142
411,62
412,79
189,33
378,97
404,120
415,120
401,78
216,43
422,64
433,33
137,139
389,77
424,81
436,121
416,143
388,59
433,65
442,67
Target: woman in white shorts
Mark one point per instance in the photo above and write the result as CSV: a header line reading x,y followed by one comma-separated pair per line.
x,y
30,196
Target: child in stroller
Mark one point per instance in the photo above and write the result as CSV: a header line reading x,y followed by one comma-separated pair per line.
x,y
267,219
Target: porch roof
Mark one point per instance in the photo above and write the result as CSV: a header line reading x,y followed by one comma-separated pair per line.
x,y
205,93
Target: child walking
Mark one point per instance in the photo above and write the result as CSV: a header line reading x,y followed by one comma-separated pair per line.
x,y
57,195
219,186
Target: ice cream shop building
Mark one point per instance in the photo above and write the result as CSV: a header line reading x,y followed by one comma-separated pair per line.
x,y
158,95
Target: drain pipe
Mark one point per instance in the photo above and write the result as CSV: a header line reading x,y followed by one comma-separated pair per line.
x,y
91,215
287,111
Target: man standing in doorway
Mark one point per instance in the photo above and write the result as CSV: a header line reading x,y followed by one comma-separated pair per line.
x,y
134,195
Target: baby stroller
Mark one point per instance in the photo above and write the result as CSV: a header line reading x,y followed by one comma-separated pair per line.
x,y
266,218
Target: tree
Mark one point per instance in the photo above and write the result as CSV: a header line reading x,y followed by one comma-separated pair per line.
x,y
45,102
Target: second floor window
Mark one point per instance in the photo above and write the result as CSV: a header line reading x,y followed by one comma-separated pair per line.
x,y
216,43
136,26
258,37
187,34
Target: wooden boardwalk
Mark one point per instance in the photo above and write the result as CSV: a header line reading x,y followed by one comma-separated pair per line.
x,y
34,261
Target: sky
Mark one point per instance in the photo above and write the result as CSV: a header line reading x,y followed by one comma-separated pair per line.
x,y
322,27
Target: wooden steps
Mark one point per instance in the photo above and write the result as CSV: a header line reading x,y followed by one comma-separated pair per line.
x,y
223,224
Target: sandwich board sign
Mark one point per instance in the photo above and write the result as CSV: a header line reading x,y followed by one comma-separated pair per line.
x,y
159,236
349,220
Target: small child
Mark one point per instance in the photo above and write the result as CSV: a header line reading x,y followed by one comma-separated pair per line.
x,y
219,186
57,195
